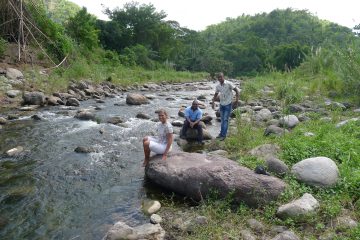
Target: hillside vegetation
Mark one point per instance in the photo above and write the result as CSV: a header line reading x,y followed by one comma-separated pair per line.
x,y
138,37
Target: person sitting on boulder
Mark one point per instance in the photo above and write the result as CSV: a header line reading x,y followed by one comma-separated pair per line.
x,y
193,115
162,143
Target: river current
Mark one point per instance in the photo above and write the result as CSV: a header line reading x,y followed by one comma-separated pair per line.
x,y
52,192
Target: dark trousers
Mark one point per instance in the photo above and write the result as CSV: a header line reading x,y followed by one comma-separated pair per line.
x,y
198,127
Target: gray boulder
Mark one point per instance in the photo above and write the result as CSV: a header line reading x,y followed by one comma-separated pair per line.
x,y
53,101
342,123
287,235
197,175
142,116
3,120
136,99
263,115
34,98
289,121
317,171
124,232
85,115
276,166
14,74
275,130
298,208
72,102
13,93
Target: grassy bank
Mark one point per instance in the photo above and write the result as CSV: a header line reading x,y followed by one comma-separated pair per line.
x,y
341,144
81,69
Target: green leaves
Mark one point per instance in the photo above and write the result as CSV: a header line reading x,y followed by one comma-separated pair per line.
x,y
82,29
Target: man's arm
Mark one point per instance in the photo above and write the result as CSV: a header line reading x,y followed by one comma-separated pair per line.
x,y
198,117
237,92
213,99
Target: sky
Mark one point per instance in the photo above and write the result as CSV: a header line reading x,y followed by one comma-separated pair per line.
x,y
198,14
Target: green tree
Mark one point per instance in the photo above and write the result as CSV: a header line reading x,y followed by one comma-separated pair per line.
x,y
289,56
82,28
136,24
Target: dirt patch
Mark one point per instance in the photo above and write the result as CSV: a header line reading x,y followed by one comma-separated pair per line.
x,y
31,57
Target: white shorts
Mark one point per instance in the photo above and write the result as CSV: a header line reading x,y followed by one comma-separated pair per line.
x,y
156,147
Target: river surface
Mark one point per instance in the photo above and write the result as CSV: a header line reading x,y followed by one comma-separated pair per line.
x,y
52,192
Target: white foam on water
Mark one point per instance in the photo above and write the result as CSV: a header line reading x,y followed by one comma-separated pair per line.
x,y
96,157
83,125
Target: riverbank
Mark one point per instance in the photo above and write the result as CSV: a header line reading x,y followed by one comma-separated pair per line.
x,y
315,126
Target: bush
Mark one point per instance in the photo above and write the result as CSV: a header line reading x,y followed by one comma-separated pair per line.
x,y
3,44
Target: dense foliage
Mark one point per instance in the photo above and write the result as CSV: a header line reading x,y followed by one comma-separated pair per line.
x,y
2,47
82,29
138,35
60,10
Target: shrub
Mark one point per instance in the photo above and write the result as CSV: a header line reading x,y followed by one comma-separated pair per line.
x,y
3,44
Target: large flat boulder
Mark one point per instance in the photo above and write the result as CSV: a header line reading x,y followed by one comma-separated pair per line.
x,y
196,175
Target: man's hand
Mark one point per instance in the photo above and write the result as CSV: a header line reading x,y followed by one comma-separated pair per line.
x,y
164,156
192,124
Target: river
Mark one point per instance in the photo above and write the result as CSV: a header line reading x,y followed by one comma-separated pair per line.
x,y
52,192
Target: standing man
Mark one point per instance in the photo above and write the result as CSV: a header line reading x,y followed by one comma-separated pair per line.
x,y
193,115
224,88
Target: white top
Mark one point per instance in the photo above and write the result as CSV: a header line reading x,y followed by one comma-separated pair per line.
x,y
225,91
163,130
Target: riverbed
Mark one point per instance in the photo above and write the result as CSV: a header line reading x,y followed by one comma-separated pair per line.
x,y
51,192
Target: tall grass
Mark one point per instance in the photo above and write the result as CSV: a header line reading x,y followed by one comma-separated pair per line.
x,y
96,70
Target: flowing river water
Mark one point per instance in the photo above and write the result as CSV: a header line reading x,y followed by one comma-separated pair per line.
x,y
52,192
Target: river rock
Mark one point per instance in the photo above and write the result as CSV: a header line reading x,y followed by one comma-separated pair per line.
x,y
276,166
85,115
37,117
155,219
247,235
206,119
289,121
177,123
82,149
287,235
299,208
13,93
115,120
34,98
317,171
147,231
342,123
296,108
192,134
152,206
143,116
2,120
136,99
15,151
72,102
196,175
53,101
263,115
14,74
274,130
345,222
255,225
